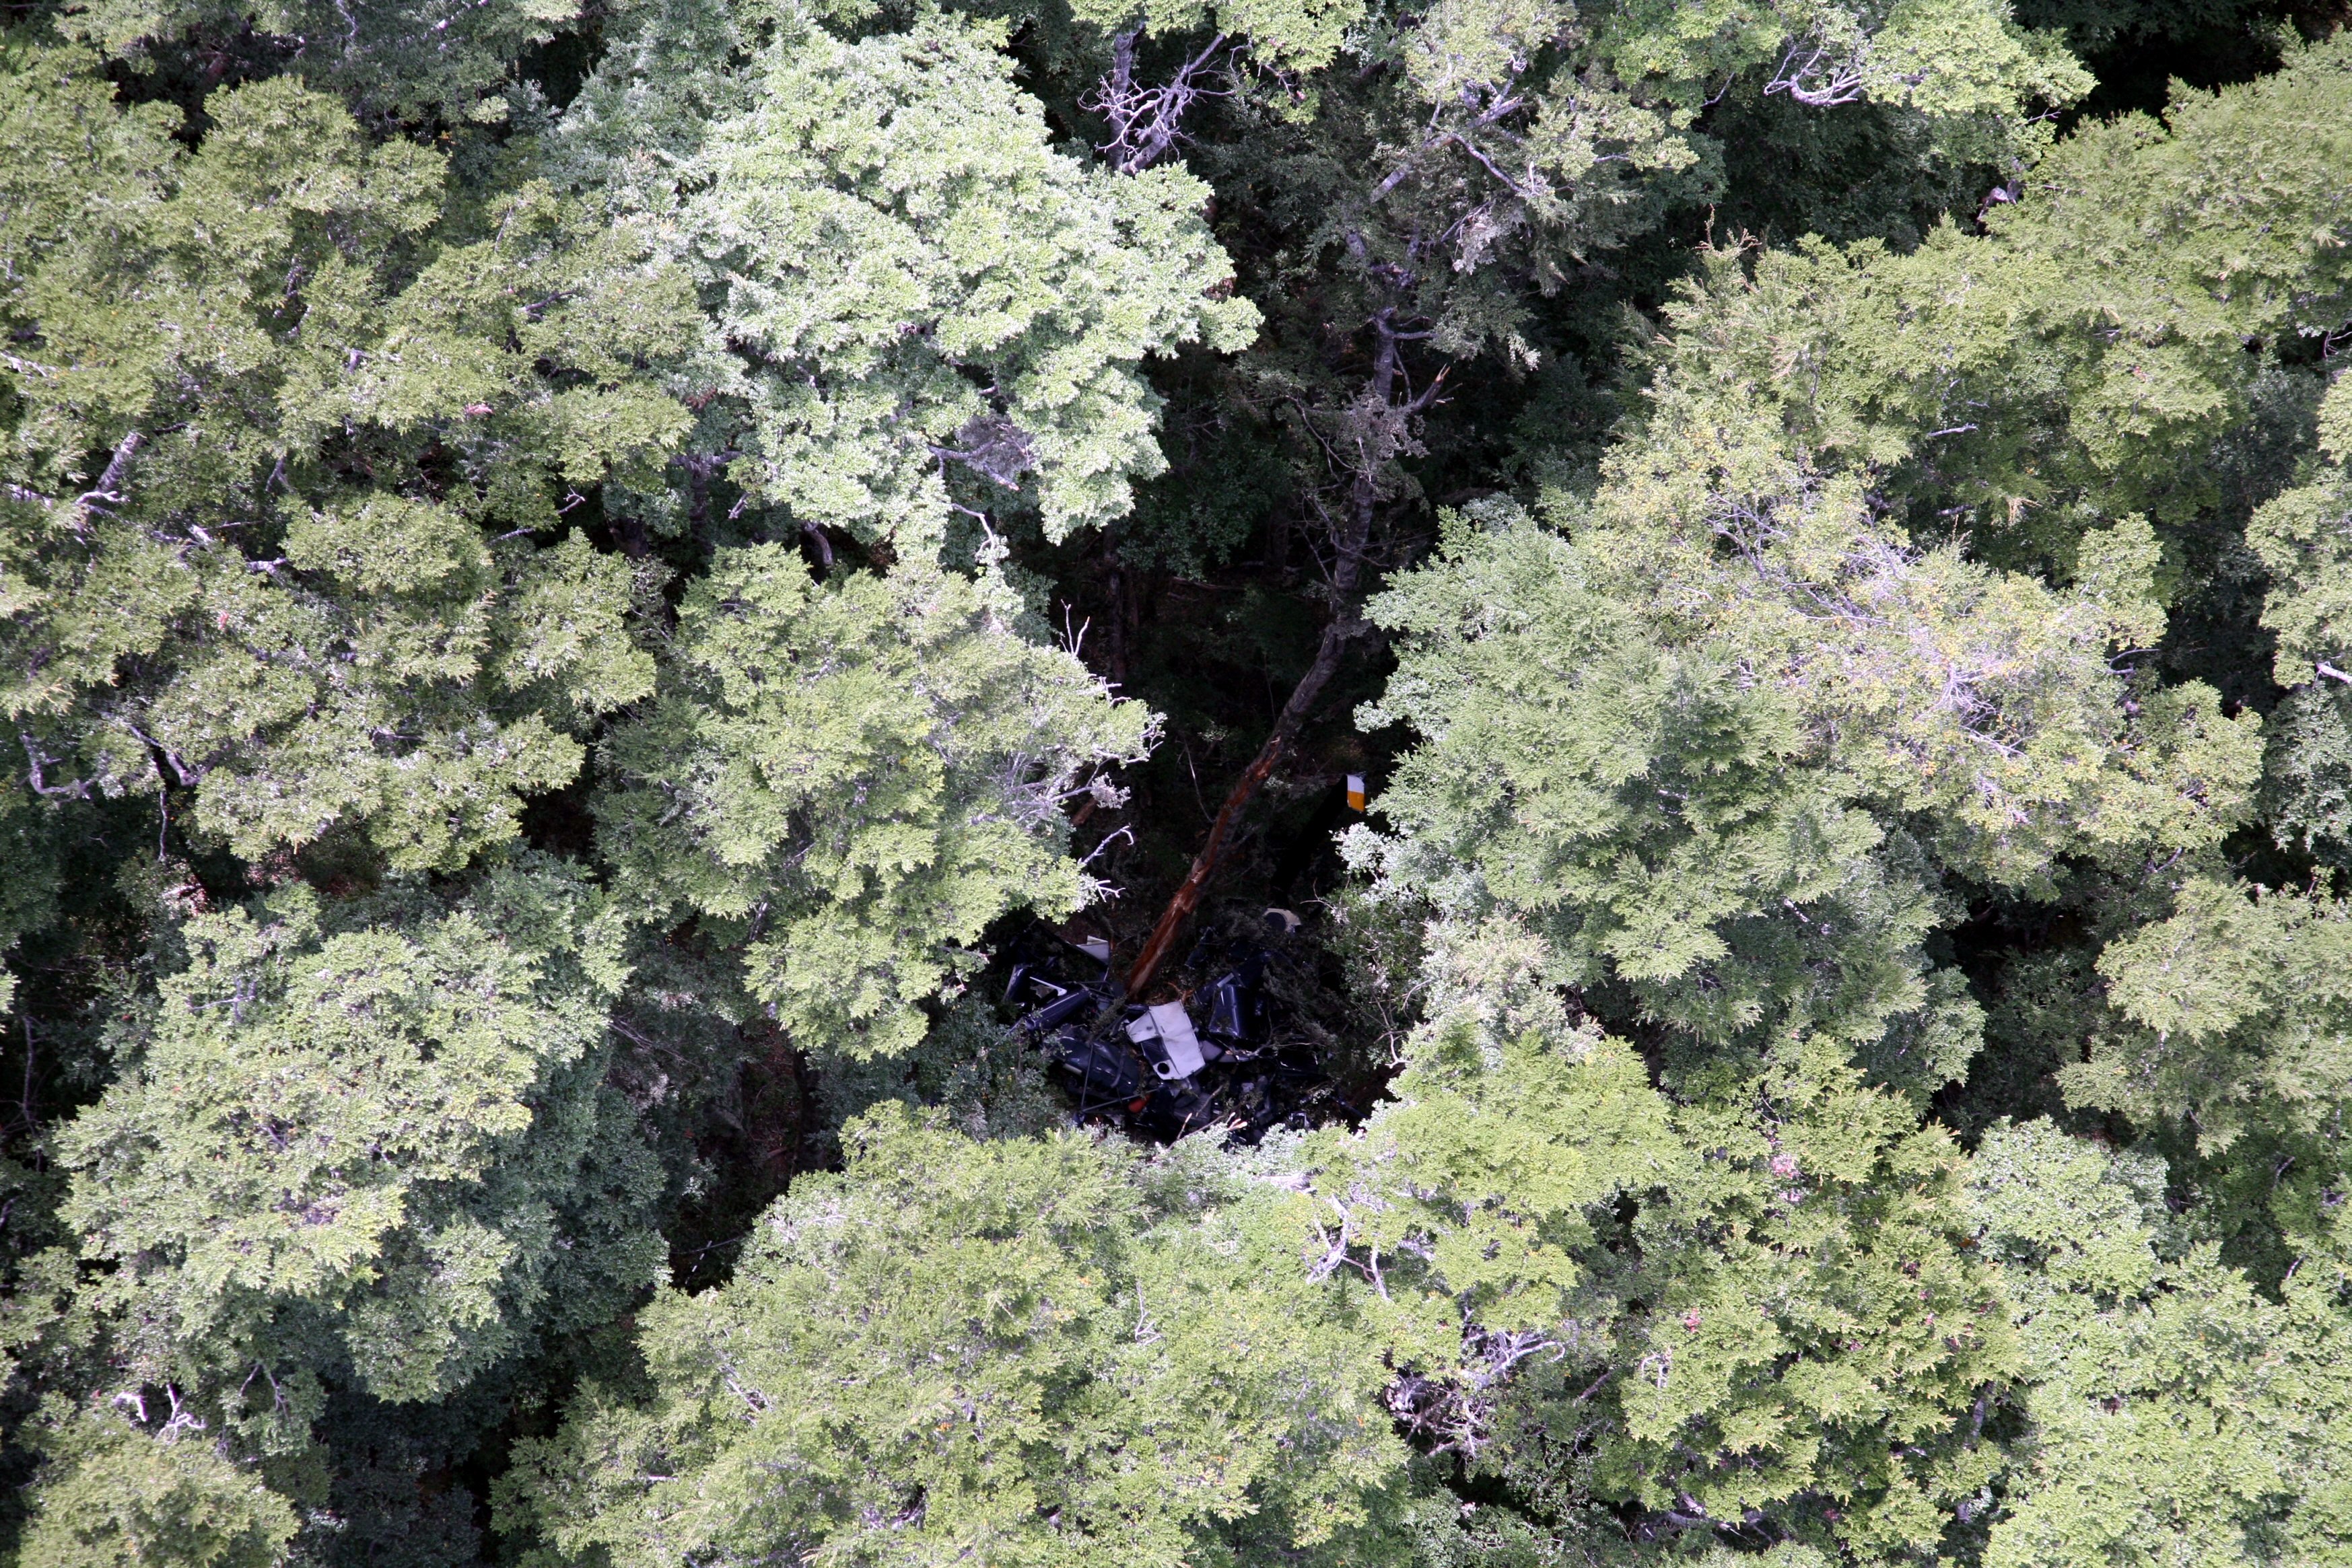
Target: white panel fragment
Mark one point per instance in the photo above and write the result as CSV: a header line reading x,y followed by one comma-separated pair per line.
x,y
1172,1025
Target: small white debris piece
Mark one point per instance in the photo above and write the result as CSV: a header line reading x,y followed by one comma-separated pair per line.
x,y
1095,947
1180,1047
1355,791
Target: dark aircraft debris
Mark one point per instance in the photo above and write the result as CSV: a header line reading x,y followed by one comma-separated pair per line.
x,y
1213,1055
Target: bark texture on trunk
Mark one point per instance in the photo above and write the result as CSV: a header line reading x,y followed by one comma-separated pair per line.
x,y
1386,428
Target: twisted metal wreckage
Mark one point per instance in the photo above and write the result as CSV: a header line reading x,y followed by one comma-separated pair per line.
x,y
1211,1057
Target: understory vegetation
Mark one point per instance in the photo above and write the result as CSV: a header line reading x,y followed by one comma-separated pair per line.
x,y
1762,588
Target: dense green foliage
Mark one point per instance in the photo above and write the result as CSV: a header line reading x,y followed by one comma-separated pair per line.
x,y
576,583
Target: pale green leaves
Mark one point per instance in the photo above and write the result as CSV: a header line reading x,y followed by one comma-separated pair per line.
x,y
1673,758
2118,567
421,710
2066,369
1980,700
1295,34
1811,1329
1036,1352
2061,1213
1751,1300
915,301
1943,57
857,779
174,293
273,399
1723,742
924,296
2304,538
359,1134
1465,1196
2239,1009
403,61
120,1498
2174,1414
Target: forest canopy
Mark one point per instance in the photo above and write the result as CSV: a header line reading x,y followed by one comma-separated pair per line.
x,y
1484,784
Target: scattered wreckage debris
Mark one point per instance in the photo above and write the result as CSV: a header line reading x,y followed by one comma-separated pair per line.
x,y
1212,1057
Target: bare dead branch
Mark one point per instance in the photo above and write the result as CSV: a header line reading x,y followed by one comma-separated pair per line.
x,y
109,488
1146,122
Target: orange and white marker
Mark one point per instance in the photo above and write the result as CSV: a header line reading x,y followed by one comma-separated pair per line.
x,y
1355,791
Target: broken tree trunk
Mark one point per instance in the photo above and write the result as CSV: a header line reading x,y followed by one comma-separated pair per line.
x,y
1187,898
1387,426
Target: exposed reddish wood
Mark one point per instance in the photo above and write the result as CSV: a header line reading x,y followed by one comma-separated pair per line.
x,y
1364,498
1187,898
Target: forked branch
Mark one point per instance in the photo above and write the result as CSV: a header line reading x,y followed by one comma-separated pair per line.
x,y
1147,121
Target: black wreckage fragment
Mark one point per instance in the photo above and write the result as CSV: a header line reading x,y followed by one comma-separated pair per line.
x,y
1211,1057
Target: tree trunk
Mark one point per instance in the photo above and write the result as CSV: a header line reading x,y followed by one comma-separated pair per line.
x,y
1115,623
1179,908
1363,499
